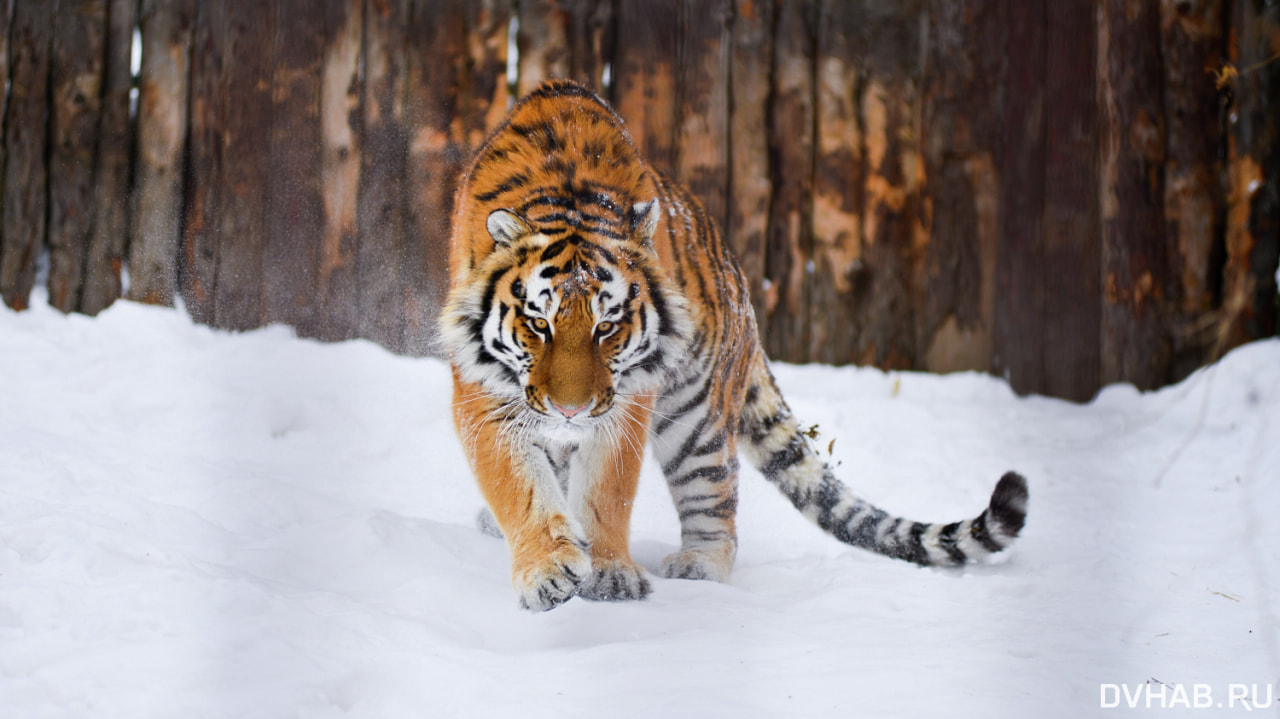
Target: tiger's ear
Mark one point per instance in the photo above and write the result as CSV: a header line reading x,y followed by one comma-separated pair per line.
x,y
505,227
644,221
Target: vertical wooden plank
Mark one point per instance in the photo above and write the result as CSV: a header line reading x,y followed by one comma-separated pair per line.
x,y
895,219
1191,40
487,95
1135,347
644,78
105,259
337,313
79,31
1017,352
749,179
436,147
702,81
381,200
24,198
961,134
246,172
1071,269
1253,176
204,192
564,38
791,137
163,85
6,22
293,219
837,183
543,42
592,37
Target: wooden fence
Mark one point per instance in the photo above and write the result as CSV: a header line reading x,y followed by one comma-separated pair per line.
x,y
1063,192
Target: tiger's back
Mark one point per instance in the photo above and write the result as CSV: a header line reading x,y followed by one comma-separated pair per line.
x,y
594,308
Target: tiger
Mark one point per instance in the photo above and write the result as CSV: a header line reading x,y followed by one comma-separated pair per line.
x,y
593,310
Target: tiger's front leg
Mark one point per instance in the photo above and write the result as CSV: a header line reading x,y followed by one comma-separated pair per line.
x,y
602,485
549,557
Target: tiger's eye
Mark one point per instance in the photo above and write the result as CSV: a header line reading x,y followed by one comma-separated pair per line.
x,y
604,328
540,324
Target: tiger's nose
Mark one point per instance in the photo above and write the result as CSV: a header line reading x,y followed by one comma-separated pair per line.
x,y
569,412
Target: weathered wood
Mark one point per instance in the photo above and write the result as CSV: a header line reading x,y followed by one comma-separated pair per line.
x,y
336,315
381,203
961,135
592,37
6,21
104,262
76,79
791,137
838,176
163,82
1053,191
702,82
1071,262
24,200
293,218
543,41
245,143
1191,39
644,77
895,217
1135,345
1253,175
437,75
750,187
487,97
564,38
204,194
1020,297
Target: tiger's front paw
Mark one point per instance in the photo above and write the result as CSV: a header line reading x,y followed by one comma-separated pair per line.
x,y
550,581
615,580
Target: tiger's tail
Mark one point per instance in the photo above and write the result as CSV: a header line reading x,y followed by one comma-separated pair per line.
x,y
773,441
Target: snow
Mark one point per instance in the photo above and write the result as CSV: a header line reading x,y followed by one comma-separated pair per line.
x,y
204,524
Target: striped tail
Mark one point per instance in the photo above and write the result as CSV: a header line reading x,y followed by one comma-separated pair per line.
x,y
772,440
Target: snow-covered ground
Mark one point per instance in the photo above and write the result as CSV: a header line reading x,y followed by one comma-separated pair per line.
x,y
202,524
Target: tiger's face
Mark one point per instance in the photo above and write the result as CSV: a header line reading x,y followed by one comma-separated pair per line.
x,y
564,324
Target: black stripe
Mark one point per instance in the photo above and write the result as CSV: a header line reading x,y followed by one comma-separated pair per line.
x,y
947,540
723,510
785,458
686,448
764,426
553,250
715,444
915,551
714,474
687,407
513,182
551,200
561,87
864,533
704,535
580,222
543,135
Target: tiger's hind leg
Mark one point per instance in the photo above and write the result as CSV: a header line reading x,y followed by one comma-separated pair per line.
x,y
700,460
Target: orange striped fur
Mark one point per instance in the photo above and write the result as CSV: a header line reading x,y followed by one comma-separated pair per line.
x,y
594,309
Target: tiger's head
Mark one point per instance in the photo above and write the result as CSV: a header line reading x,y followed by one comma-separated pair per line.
x,y
568,323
